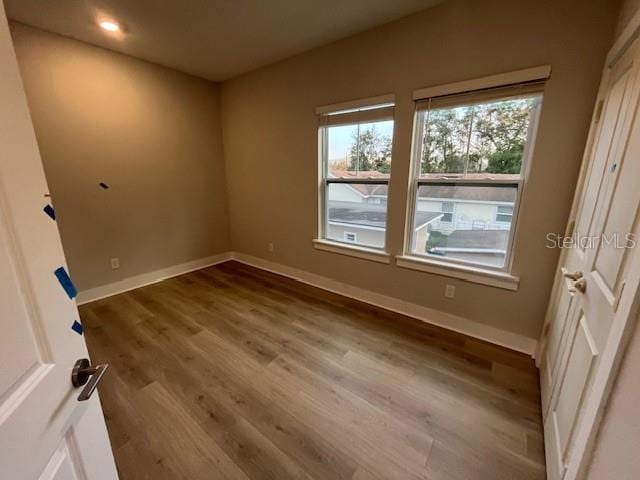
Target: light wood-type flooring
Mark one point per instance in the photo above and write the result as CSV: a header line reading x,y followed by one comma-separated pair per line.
x,y
234,373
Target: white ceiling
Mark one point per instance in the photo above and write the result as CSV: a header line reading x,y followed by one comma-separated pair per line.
x,y
214,39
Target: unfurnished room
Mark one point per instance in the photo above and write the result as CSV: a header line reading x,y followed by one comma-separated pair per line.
x,y
349,239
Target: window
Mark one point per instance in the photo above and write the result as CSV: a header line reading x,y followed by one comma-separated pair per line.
x,y
355,167
447,210
504,213
469,156
350,237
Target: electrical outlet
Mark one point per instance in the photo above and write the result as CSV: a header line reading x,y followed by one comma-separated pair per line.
x,y
271,247
115,263
450,291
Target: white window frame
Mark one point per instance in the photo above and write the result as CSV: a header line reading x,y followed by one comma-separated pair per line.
x,y
416,182
353,112
479,273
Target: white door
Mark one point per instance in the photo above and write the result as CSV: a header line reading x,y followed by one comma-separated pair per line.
x,y
599,275
45,432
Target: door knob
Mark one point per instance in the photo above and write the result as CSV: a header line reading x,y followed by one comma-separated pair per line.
x,y
580,285
572,275
82,373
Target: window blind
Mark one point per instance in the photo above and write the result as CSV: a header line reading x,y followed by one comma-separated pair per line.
x,y
363,115
480,96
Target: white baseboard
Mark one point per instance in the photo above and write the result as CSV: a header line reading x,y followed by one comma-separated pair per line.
x,y
458,324
137,281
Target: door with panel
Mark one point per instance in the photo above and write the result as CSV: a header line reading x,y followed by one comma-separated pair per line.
x,y
611,115
45,431
598,269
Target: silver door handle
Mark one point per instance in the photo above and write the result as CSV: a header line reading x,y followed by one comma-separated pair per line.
x,y
83,372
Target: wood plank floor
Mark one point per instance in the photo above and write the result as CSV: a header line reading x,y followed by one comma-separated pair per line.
x,y
235,373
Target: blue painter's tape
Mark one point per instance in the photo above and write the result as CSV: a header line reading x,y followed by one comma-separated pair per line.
x,y
50,211
77,327
63,277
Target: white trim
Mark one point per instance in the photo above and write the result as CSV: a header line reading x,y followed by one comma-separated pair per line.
x,y
412,185
492,278
351,104
352,250
471,328
137,281
509,78
465,326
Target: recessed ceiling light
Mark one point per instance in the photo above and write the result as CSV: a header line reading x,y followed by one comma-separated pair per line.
x,y
109,26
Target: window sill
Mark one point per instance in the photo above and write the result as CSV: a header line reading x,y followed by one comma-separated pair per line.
x,y
463,272
352,250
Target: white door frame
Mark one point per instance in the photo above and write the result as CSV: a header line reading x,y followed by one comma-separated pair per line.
x,y
621,331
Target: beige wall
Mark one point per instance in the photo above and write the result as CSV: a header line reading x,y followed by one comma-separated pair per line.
x,y
151,133
627,10
270,139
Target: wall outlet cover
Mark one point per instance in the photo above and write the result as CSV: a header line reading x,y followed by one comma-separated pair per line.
x,y
450,291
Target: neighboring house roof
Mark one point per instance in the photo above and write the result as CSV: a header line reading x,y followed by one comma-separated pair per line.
x,y
445,192
363,189
477,239
370,215
454,193
361,174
